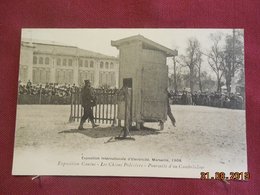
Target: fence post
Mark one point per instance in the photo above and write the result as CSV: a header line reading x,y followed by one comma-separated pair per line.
x,y
105,110
78,106
114,104
40,98
127,112
71,107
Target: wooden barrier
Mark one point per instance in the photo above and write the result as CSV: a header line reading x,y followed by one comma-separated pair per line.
x,y
105,110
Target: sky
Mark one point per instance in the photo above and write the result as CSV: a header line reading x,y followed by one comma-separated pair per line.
x,y
99,40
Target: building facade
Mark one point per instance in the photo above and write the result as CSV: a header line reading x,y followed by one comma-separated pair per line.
x,y
43,63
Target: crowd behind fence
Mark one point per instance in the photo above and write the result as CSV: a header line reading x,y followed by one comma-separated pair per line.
x,y
50,93
53,93
213,99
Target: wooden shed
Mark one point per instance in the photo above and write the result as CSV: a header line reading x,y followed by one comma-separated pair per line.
x,y
142,67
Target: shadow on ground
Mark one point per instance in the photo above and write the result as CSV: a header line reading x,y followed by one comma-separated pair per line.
x,y
102,132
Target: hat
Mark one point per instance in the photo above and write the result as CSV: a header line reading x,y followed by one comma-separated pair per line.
x,y
87,82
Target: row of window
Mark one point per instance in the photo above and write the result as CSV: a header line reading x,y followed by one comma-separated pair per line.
x,y
86,76
106,65
42,75
102,64
86,63
64,76
41,60
107,79
65,62
46,60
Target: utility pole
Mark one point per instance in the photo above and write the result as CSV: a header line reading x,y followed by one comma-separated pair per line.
x,y
174,73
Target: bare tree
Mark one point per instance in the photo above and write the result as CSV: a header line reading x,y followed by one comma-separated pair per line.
x,y
176,76
177,72
190,59
198,65
207,82
233,56
215,58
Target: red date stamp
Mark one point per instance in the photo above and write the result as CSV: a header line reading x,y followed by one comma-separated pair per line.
x,y
242,176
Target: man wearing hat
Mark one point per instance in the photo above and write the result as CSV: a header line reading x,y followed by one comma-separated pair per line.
x,y
87,101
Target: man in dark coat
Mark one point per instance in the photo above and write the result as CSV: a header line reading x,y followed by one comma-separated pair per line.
x,y
169,111
87,101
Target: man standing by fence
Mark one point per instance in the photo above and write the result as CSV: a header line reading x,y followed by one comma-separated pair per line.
x,y
87,101
169,111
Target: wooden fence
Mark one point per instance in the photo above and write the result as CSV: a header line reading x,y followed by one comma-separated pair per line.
x,y
106,109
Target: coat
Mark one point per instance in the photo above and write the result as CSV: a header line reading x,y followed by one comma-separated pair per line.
x,y
87,96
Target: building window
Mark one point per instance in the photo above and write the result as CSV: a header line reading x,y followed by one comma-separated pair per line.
x,y
23,73
101,64
41,75
86,75
80,63
111,65
70,62
40,60
86,63
34,60
64,76
113,79
91,64
58,61
64,62
47,60
107,65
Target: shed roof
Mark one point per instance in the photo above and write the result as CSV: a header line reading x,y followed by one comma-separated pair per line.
x,y
147,43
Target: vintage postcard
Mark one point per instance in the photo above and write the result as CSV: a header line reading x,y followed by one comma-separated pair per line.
x,y
132,102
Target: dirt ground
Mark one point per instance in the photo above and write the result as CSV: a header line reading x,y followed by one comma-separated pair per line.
x,y
202,134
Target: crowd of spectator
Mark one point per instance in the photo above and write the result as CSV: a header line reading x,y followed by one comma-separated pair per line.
x,y
49,89
214,99
49,93
54,93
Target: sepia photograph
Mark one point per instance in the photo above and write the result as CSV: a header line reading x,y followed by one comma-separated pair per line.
x,y
131,102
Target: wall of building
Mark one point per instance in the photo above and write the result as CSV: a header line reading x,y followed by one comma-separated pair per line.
x,y
154,85
130,67
149,74
57,64
26,59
